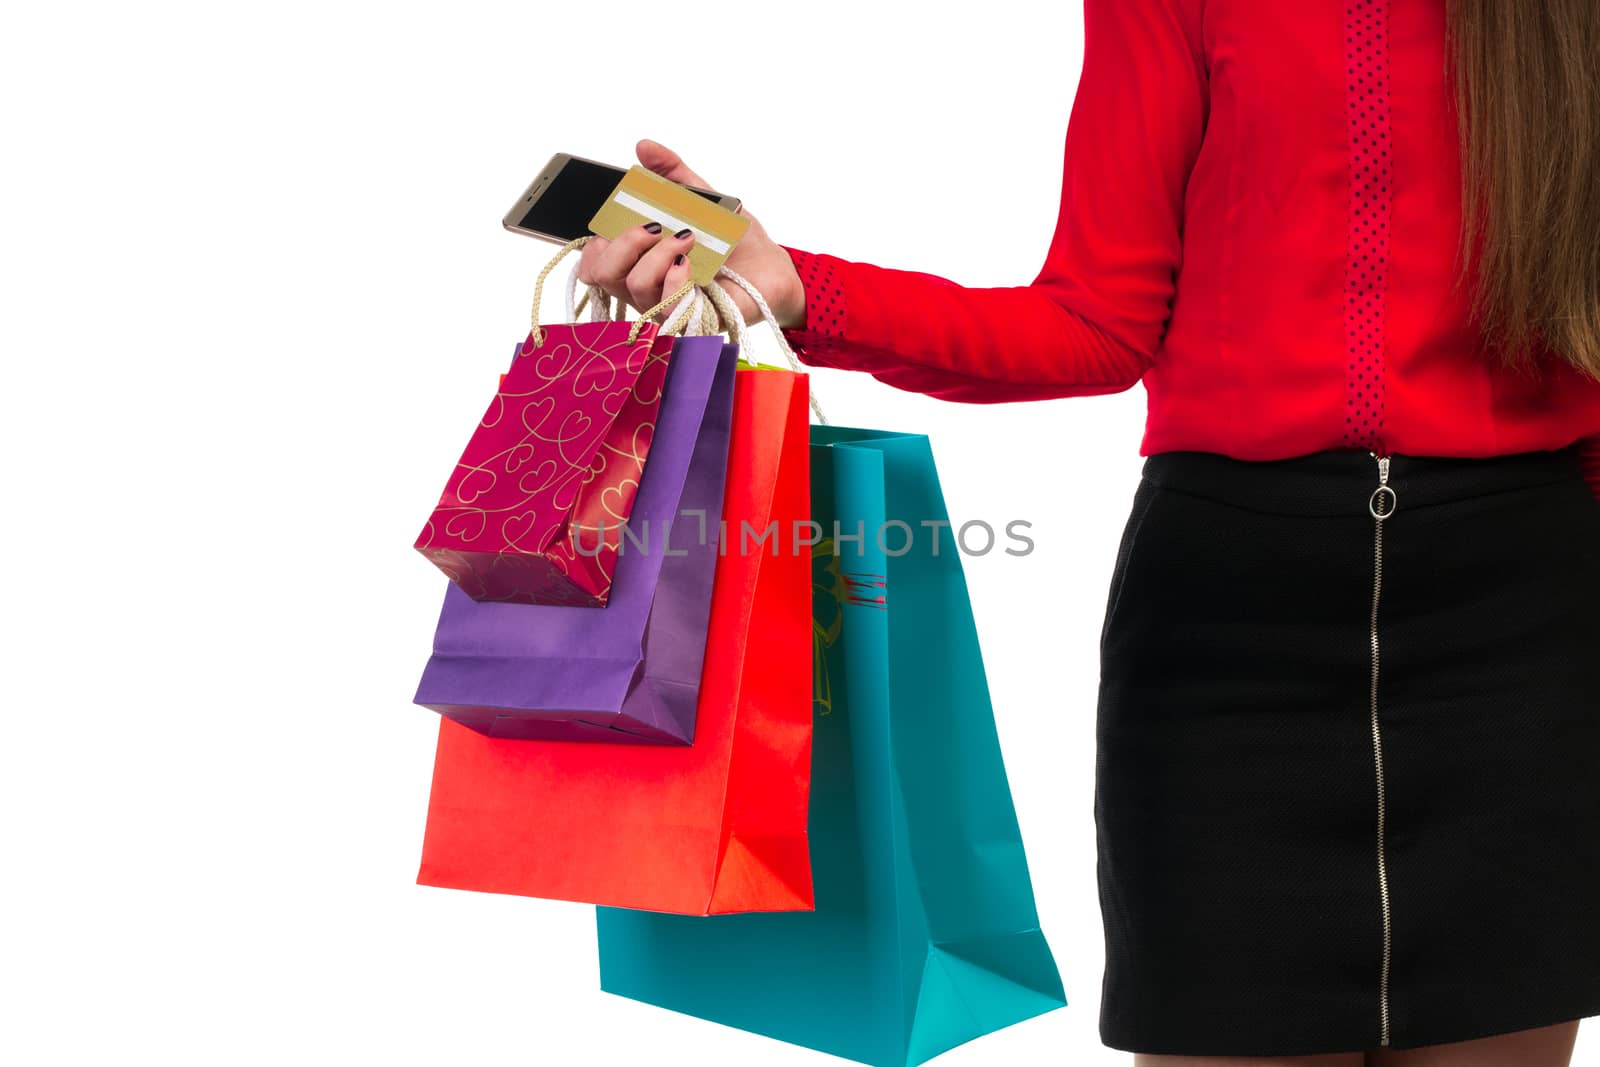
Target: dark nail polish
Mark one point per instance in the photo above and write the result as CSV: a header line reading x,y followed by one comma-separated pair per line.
x,y
653,227
678,259
683,232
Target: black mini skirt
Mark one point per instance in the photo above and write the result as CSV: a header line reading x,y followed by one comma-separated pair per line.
x,y
1347,783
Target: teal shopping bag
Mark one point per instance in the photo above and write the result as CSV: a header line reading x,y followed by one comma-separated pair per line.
x,y
925,933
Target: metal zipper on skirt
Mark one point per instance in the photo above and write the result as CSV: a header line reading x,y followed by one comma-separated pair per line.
x,y
1381,505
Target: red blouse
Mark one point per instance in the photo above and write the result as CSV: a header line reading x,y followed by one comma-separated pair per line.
x,y
1259,209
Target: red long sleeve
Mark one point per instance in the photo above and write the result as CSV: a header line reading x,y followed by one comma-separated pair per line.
x,y
1093,317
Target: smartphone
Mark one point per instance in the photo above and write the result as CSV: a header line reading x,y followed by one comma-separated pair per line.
x,y
559,203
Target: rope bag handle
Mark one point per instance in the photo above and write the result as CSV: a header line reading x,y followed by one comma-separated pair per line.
x,y
708,310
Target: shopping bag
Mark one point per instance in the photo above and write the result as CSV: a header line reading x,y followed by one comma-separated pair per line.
x,y
925,934
629,673
718,826
545,466
531,513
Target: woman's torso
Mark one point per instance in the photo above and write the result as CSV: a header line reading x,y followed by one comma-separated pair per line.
x,y
1317,303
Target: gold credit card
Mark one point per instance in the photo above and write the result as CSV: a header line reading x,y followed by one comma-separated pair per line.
x,y
643,195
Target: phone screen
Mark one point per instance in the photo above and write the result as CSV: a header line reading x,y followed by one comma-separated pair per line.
x,y
572,198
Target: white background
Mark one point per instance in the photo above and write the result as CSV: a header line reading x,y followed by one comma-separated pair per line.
x,y
257,294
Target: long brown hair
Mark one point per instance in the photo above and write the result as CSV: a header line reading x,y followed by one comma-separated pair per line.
x,y
1527,85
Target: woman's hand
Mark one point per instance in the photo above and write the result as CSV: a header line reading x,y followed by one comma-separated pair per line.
x,y
642,265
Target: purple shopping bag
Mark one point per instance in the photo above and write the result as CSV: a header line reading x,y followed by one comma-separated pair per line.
x,y
630,671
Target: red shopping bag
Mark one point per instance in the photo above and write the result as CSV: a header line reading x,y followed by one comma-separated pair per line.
x,y
716,827
533,511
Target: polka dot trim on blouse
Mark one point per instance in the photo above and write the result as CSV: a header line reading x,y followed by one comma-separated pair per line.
x,y
1366,49
823,330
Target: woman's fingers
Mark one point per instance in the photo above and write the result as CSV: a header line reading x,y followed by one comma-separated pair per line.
x,y
630,266
660,159
634,267
673,279
645,282
588,256
611,265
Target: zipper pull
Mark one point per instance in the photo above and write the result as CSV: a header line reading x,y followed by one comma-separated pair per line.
x,y
1383,500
